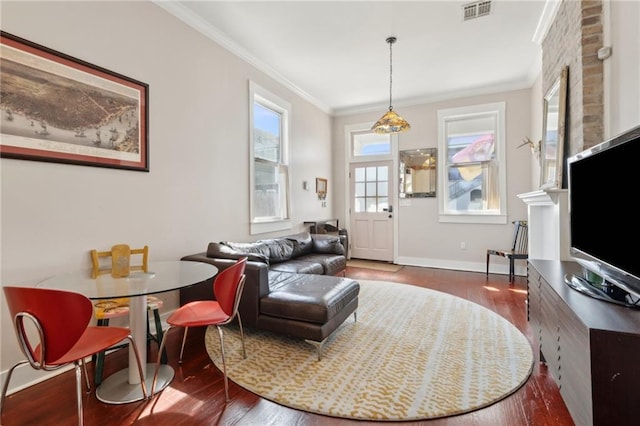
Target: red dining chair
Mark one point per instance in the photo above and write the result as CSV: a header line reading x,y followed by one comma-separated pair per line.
x,y
50,340
227,289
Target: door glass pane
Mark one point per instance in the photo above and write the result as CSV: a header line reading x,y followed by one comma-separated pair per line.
x,y
359,189
383,189
359,174
383,173
371,174
359,205
383,203
371,189
371,204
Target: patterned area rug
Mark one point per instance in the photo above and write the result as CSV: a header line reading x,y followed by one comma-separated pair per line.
x,y
413,354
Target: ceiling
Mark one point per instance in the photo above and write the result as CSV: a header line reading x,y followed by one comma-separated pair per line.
x,y
335,54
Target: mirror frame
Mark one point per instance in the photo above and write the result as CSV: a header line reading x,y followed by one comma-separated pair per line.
x,y
552,161
408,157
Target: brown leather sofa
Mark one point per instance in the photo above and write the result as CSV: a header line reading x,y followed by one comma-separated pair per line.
x,y
291,284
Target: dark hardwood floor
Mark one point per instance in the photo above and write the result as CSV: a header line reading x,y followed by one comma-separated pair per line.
x,y
196,395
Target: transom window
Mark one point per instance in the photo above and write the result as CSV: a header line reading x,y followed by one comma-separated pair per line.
x,y
367,143
472,179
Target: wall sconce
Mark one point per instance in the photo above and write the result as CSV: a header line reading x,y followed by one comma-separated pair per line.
x,y
321,188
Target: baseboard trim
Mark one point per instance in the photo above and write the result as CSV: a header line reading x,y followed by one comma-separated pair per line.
x,y
497,267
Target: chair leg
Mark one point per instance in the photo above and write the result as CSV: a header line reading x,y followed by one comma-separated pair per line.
x,y
5,388
159,333
244,351
184,339
512,269
224,364
86,377
79,392
160,349
139,362
488,256
98,359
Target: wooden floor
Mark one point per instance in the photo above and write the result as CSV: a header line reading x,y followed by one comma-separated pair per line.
x,y
196,395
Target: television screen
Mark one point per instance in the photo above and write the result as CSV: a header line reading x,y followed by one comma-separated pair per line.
x,y
604,228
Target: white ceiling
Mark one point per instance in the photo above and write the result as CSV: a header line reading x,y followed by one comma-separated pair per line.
x,y
334,53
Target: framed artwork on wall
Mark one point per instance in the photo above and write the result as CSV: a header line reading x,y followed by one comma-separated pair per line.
x,y
321,188
60,109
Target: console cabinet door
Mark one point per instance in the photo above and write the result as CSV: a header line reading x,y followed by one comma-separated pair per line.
x,y
550,333
534,306
575,365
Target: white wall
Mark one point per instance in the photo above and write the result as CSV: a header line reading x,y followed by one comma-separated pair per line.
x,y
422,240
197,187
622,69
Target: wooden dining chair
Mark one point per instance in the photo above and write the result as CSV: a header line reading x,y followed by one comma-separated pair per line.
x,y
519,248
50,340
227,289
121,260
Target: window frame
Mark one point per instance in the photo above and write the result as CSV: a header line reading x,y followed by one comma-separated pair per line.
x,y
447,215
266,99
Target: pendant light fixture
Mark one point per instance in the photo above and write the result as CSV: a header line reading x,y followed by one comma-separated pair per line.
x,y
391,122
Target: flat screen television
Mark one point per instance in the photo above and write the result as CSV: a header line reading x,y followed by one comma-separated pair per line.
x,y
604,187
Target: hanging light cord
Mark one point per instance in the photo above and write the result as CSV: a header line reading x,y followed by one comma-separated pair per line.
x,y
390,40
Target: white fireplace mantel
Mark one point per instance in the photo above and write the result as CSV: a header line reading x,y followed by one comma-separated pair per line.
x,y
548,211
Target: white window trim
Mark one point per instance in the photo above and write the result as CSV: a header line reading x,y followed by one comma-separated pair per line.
x,y
447,216
277,104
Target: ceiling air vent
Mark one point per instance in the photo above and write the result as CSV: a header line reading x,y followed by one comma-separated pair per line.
x,y
476,10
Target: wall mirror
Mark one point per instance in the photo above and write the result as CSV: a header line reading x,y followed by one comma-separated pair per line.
x,y
418,173
553,133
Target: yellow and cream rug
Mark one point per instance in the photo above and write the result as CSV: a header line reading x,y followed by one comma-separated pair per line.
x,y
413,354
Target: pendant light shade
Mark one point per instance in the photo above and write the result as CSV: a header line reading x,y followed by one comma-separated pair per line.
x,y
391,122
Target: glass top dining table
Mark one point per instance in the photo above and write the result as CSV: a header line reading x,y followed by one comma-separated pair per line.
x,y
124,386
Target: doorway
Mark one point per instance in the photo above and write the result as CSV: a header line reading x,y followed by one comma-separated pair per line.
x,y
371,188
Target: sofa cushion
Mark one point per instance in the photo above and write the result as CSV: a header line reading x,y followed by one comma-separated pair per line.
x,y
303,244
280,249
331,264
299,266
312,298
226,250
327,244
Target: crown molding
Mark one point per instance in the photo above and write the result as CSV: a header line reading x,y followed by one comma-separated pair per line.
x,y
197,23
546,19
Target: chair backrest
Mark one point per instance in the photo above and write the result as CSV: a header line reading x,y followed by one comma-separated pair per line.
x,y
520,237
228,285
44,308
120,261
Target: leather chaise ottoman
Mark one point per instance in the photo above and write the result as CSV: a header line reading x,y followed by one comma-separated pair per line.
x,y
308,306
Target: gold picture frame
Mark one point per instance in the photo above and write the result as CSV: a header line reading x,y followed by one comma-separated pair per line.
x,y
321,188
553,133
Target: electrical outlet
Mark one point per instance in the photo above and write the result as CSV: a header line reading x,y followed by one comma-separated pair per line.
x,y
463,245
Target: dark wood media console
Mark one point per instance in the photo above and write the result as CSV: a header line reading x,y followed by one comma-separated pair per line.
x,y
591,347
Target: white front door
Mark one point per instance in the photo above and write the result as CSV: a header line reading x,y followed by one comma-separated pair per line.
x,y
371,188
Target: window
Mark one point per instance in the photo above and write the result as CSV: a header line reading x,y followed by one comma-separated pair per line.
x,y
367,143
270,185
371,189
472,178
